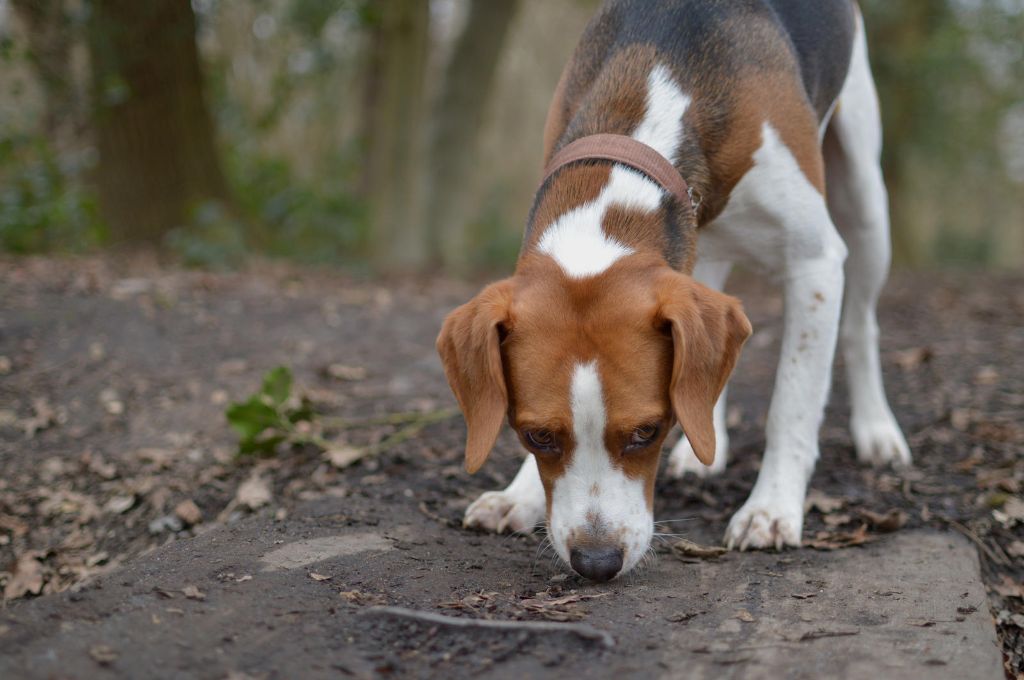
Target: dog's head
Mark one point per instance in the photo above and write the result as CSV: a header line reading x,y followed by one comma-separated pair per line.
x,y
592,373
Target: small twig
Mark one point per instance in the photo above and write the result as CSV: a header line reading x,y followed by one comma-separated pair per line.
x,y
410,430
403,434
977,541
436,517
534,627
819,634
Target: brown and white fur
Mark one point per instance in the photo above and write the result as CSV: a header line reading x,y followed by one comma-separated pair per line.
x,y
613,326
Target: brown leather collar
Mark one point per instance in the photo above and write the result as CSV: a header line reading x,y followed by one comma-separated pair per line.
x,y
628,151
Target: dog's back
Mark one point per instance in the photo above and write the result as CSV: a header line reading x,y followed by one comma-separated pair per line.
x,y
741,62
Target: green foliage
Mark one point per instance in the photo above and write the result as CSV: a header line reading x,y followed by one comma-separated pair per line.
x,y
42,205
315,221
269,418
274,417
214,238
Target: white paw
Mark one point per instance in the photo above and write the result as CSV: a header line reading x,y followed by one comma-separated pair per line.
x,y
502,511
683,459
759,524
879,442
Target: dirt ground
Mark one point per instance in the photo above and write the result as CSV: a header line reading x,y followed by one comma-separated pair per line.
x,y
115,374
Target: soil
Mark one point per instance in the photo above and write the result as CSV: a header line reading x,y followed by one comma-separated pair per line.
x,y
114,378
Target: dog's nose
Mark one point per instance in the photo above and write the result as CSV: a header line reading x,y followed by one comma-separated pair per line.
x,y
597,564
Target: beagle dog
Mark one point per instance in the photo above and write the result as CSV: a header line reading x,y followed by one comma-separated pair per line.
x,y
684,136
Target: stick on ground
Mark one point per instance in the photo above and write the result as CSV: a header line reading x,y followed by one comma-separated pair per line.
x,y
579,629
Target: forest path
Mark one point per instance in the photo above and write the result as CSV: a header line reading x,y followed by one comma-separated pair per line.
x,y
116,376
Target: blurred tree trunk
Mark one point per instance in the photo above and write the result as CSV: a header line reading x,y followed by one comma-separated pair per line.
x,y
457,119
393,118
49,39
157,155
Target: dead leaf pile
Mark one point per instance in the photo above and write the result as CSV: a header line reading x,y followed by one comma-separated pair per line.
x,y
835,514
835,540
551,605
478,603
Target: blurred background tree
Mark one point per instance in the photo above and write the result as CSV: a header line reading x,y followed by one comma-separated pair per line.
x,y
150,123
400,135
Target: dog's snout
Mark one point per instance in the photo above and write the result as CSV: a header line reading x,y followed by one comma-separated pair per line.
x,y
597,564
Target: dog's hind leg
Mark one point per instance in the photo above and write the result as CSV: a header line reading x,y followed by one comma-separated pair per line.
x,y
520,507
712,274
779,218
858,203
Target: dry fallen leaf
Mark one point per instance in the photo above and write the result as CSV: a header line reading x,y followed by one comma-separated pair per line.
x,y
97,465
344,372
1014,509
744,615
254,492
118,505
361,598
159,458
44,417
193,593
318,577
685,548
188,512
835,520
823,503
343,455
111,401
103,654
890,521
910,359
986,375
13,524
960,419
27,578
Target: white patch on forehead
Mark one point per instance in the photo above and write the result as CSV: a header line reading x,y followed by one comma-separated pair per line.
x,y
619,505
575,240
587,403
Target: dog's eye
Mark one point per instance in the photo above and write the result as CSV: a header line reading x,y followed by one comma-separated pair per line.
x,y
541,440
642,436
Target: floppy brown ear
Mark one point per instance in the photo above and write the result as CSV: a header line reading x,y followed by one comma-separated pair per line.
x,y
469,349
708,331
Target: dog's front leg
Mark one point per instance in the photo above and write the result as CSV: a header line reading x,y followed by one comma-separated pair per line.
x,y
773,515
519,508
